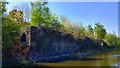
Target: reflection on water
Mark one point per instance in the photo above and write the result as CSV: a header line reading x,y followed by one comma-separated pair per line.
x,y
107,59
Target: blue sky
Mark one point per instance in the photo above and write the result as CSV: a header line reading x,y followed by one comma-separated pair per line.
x,y
83,12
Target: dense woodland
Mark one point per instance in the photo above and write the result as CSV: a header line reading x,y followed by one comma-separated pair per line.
x,y
41,16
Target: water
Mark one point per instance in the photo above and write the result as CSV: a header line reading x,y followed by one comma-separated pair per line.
x,y
111,58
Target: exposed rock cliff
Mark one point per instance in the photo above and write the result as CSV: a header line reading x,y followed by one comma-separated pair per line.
x,y
48,45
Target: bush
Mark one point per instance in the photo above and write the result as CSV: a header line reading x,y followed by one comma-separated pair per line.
x,y
10,32
111,40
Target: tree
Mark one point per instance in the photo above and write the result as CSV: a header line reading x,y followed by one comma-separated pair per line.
x,y
10,32
90,31
56,24
67,25
65,20
81,31
2,7
76,29
10,29
111,39
99,31
118,43
2,11
40,14
72,28
16,16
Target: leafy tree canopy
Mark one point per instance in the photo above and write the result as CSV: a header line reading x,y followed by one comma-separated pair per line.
x,y
10,32
99,30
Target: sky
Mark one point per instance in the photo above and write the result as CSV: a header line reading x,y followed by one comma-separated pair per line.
x,y
82,12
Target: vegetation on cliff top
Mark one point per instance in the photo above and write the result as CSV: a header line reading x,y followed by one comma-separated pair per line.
x,y
41,16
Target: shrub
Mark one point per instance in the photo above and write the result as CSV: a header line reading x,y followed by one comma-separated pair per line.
x,y
10,32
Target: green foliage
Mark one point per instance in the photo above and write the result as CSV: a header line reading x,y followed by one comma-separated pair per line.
x,y
99,30
16,16
57,26
76,31
90,29
90,32
67,25
2,11
111,40
10,32
82,31
2,7
72,28
55,23
39,14
65,20
118,43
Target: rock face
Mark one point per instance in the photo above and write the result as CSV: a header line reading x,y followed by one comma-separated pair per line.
x,y
88,44
47,43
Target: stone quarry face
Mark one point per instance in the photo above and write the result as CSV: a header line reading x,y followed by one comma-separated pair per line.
x,y
48,45
46,42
